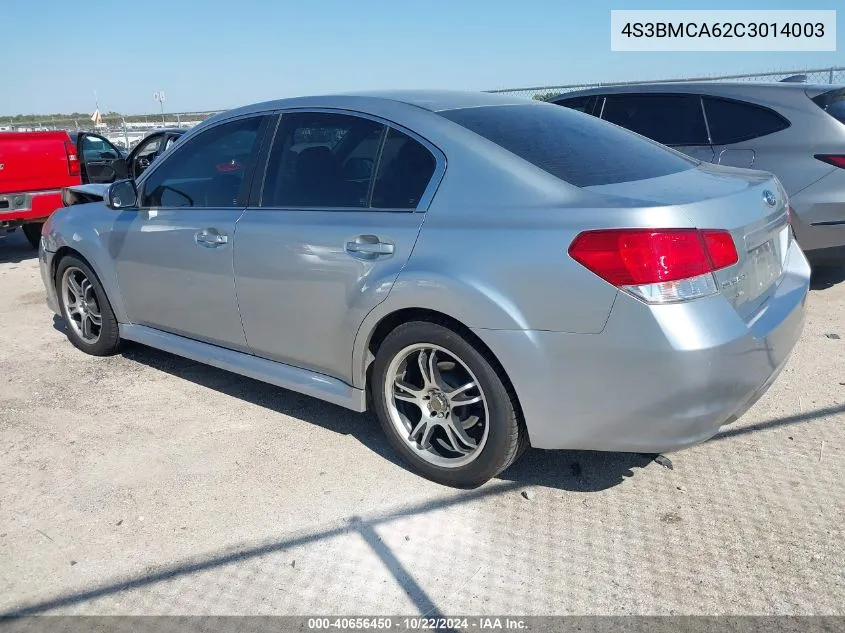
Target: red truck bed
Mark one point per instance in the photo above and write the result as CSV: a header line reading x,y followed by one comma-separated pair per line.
x,y
34,166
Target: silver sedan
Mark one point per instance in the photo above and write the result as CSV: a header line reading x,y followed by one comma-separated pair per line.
x,y
485,273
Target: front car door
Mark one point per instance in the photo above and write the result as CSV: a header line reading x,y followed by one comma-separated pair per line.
x,y
343,200
674,119
145,153
102,162
173,254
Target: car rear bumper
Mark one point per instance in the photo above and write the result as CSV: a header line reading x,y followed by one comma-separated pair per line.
x,y
20,208
658,378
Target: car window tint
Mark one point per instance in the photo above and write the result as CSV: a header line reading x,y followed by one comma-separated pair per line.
x,y
575,147
735,121
582,104
207,171
94,148
150,147
668,119
321,159
405,169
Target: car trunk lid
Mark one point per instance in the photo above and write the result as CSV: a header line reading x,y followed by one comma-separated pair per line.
x,y
751,205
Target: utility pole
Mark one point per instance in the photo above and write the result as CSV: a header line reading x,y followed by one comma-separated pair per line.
x,y
159,96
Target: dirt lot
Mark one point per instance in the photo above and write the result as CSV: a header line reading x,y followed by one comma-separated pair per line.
x,y
145,483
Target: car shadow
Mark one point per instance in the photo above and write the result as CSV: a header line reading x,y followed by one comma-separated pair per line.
x,y
14,248
827,277
575,471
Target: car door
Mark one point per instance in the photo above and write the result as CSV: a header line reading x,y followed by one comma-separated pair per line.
x,y
145,153
735,127
173,254
674,119
101,160
343,200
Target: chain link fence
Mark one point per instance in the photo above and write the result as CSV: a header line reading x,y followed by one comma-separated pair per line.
x,y
815,76
126,131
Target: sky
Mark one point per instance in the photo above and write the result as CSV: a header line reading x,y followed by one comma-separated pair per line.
x,y
217,54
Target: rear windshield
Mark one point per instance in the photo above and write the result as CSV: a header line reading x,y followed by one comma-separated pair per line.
x,y
833,103
575,147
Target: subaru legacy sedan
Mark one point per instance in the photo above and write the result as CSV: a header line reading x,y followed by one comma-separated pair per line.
x,y
485,273
796,131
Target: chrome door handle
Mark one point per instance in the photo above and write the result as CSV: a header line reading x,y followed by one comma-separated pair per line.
x,y
369,247
211,238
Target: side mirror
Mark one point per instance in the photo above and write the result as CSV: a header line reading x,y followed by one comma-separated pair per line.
x,y
122,194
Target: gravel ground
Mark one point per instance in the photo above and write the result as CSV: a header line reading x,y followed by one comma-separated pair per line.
x,y
145,483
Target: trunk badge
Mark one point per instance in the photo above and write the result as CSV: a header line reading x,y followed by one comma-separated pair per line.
x,y
770,198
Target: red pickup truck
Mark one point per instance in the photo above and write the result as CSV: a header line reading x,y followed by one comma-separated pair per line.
x,y
35,166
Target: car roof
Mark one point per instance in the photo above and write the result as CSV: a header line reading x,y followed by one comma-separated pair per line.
x,y
431,100
727,88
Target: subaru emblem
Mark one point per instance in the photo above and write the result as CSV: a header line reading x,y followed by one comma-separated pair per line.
x,y
770,198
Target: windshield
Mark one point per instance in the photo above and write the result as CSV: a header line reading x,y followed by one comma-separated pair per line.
x,y
575,147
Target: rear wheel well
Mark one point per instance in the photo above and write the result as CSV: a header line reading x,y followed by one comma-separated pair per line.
x,y
406,315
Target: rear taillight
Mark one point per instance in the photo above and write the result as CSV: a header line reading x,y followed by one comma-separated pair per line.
x,y
72,159
837,160
657,265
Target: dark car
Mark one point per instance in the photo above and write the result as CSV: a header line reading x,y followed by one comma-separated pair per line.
x,y
103,162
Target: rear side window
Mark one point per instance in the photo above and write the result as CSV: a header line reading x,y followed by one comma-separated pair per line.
x,y
587,105
735,121
833,103
674,119
580,149
322,159
405,169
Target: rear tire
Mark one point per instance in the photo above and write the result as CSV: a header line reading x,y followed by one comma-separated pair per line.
x,y
446,430
32,232
91,324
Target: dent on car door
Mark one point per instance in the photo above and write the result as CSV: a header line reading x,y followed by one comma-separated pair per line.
x,y
337,219
173,254
676,120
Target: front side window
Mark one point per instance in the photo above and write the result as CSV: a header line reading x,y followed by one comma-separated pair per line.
x,y
735,121
207,171
579,149
97,148
322,160
671,119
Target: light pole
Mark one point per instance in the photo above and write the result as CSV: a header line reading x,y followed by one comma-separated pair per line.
x,y
159,96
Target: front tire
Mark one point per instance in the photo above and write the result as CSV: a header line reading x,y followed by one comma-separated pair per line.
x,y
91,324
444,405
32,232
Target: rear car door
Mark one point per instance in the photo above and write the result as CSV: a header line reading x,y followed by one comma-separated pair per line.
x,y
676,120
101,160
735,127
342,203
173,254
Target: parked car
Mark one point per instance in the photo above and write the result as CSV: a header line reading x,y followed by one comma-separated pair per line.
x,y
36,166
493,273
793,130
